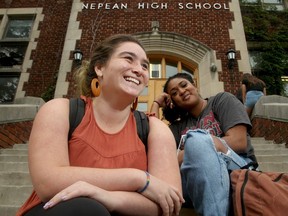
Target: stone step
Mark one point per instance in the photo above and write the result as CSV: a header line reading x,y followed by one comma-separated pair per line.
x,y
14,151
14,166
13,158
20,146
274,166
260,140
8,210
270,146
15,178
271,152
13,195
272,158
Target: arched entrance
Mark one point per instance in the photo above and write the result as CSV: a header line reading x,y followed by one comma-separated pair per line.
x,y
171,53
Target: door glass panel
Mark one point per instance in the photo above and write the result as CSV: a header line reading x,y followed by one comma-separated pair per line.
x,y
170,70
142,107
155,69
186,70
145,91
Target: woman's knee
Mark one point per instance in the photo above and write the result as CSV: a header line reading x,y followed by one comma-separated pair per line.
x,y
198,144
74,207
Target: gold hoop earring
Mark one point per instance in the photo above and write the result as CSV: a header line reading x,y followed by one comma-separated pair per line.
x,y
95,87
134,105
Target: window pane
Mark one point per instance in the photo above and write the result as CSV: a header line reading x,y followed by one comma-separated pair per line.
x,y
187,70
8,86
145,91
142,107
18,29
273,1
155,69
171,70
254,58
12,53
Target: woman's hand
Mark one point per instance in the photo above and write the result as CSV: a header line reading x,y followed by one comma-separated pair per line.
x,y
169,198
85,189
164,100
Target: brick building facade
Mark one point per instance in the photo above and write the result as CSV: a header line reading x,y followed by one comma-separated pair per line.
x,y
191,36
179,36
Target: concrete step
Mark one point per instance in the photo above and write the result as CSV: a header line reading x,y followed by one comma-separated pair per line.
x,y
14,195
20,146
261,140
14,166
270,146
8,210
14,152
271,158
15,178
274,166
275,152
13,158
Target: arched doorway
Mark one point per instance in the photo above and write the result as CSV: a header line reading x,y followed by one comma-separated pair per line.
x,y
171,53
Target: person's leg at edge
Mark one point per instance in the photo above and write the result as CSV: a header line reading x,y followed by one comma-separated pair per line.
x,y
251,99
205,177
74,207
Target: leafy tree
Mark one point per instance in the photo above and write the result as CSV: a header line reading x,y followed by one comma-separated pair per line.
x,y
266,32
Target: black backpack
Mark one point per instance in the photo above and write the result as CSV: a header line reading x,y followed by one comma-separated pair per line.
x,y
77,110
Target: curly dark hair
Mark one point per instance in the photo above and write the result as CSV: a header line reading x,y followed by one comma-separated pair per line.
x,y
176,113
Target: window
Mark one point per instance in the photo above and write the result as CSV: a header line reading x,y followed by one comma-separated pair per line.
x,y
18,28
166,67
285,85
15,40
13,45
268,4
155,69
8,86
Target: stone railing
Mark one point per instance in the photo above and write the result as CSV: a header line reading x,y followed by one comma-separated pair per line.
x,y
16,120
270,119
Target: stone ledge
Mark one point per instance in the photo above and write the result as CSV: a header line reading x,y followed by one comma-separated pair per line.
x,y
23,109
272,107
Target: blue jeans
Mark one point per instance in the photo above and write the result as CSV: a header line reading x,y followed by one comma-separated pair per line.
x,y
252,97
204,172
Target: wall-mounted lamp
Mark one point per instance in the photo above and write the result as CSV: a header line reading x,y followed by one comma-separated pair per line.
x,y
231,56
78,55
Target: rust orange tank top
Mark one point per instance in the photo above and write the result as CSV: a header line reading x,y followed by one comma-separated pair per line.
x,y
90,146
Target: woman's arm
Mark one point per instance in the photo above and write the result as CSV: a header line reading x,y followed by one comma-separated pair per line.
x,y
49,160
243,86
235,137
52,174
161,101
264,91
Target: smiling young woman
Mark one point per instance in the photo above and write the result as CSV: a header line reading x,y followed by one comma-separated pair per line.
x,y
212,138
103,168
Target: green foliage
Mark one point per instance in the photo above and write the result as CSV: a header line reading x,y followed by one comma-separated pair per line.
x,y
49,93
268,32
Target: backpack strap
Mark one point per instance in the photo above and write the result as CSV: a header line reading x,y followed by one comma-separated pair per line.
x,y
142,122
76,113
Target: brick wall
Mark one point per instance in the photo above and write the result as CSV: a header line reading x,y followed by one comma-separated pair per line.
x,y
18,133
270,130
210,27
14,133
47,55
